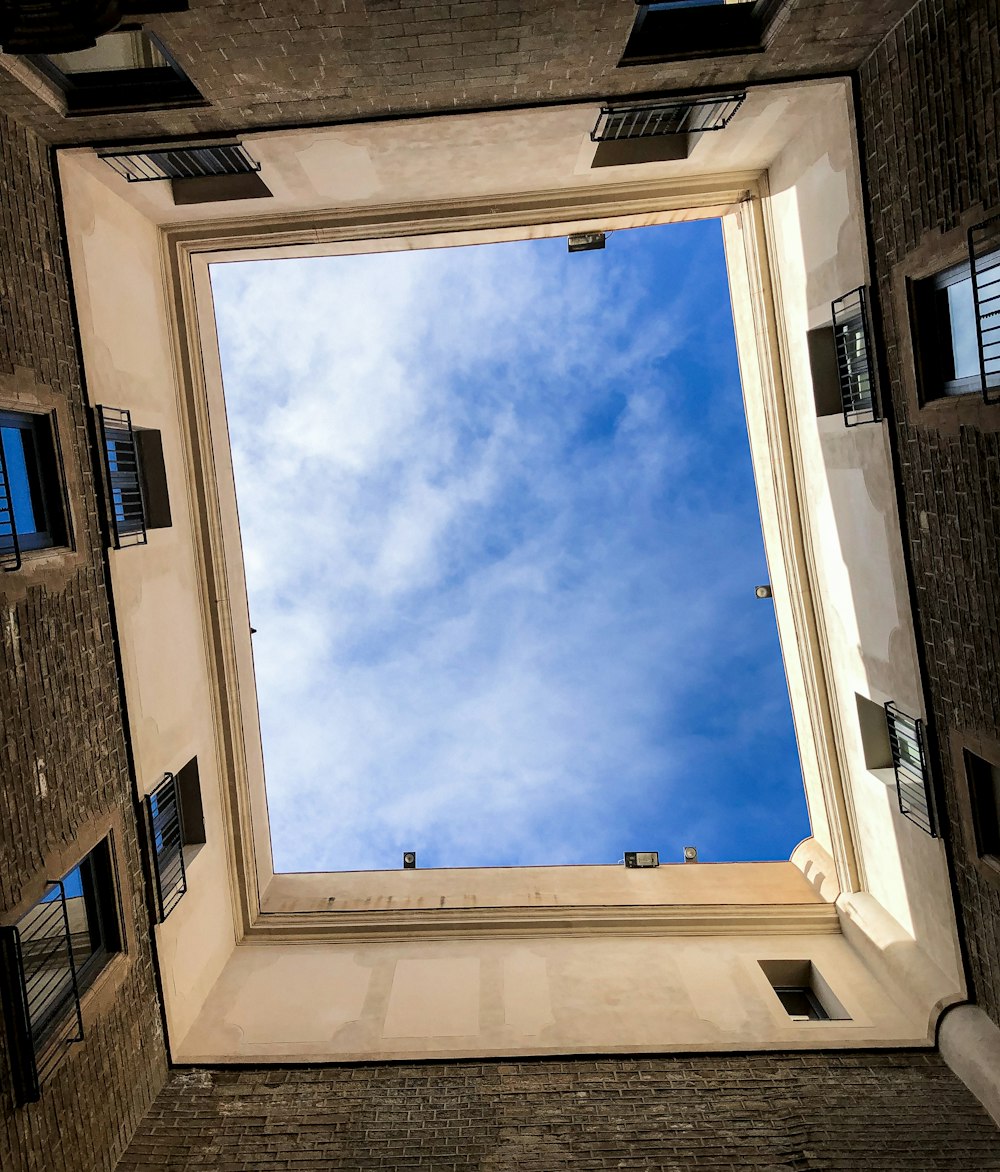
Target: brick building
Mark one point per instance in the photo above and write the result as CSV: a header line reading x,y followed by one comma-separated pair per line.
x,y
881,121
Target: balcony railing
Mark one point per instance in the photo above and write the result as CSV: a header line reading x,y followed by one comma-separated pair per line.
x,y
182,162
10,550
41,994
163,811
854,358
906,739
681,116
984,264
126,507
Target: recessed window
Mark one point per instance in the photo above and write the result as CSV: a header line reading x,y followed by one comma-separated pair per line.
x,y
49,958
128,69
984,789
31,502
673,29
802,991
648,132
135,477
906,741
197,174
176,824
855,365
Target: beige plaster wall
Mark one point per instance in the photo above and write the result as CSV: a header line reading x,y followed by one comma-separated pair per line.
x,y
295,1002
846,483
128,358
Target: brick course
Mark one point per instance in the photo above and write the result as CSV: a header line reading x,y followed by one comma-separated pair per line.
x,y
265,63
780,1112
63,765
931,109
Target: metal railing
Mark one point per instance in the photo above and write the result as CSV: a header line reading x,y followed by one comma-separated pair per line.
x,y
163,812
909,763
126,507
677,116
854,358
984,265
10,549
181,162
41,993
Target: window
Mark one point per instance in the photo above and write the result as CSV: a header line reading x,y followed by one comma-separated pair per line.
x,y
957,327
128,69
175,824
197,174
673,29
31,505
984,789
855,368
802,991
906,742
645,132
49,958
135,477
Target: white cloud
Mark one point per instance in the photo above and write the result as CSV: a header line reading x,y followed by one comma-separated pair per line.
x,y
480,582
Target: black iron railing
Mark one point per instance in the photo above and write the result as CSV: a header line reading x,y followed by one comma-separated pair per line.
x,y
41,994
984,265
126,506
906,739
181,162
854,358
163,811
677,116
10,549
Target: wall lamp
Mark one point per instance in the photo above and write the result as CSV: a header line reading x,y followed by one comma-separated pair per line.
x,y
586,241
642,858
409,860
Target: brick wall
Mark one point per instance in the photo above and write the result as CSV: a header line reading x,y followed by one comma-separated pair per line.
x,y
774,1112
931,111
63,769
263,63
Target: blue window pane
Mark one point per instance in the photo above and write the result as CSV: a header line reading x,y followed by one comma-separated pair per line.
x,y
19,486
964,342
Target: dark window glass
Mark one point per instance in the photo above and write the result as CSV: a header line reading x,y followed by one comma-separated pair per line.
x,y
984,787
801,1003
32,480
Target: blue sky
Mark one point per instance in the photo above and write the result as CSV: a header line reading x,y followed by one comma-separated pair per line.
x,y
501,540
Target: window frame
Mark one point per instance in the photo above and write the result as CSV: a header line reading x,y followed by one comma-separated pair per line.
x,y
39,1033
116,91
675,30
45,484
931,323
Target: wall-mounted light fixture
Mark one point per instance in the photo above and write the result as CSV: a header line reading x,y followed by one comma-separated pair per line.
x,y
586,241
763,592
642,859
690,854
409,860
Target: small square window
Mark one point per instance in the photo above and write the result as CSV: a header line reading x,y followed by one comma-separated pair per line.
x,y
48,958
32,515
984,789
802,991
128,69
801,1003
135,477
674,29
176,823
944,309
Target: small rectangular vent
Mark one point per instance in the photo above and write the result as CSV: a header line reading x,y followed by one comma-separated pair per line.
x,y
906,740
854,358
984,264
676,116
126,506
163,811
182,162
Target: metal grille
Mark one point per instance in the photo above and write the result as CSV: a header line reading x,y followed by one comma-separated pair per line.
x,y
41,994
163,810
684,116
906,738
192,162
10,550
854,364
984,264
124,486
